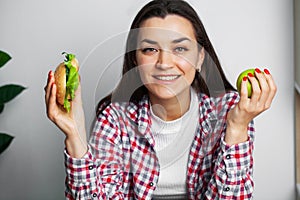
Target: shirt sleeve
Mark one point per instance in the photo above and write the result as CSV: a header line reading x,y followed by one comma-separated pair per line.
x,y
98,175
233,177
81,179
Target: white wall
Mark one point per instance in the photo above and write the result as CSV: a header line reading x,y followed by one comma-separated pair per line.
x,y
245,34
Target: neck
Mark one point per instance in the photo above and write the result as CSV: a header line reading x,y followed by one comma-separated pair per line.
x,y
173,108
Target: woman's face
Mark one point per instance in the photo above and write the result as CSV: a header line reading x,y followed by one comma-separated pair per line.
x,y
167,56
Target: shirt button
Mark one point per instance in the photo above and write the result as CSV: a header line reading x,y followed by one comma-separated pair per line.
x,y
227,189
95,195
228,156
91,167
151,184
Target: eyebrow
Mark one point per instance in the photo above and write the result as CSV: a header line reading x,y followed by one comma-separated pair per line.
x,y
174,41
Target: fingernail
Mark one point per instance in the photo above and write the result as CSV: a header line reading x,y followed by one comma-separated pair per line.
x,y
266,71
257,70
49,74
250,75
245,78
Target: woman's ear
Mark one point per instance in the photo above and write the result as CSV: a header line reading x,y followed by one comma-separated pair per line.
x,y
200,59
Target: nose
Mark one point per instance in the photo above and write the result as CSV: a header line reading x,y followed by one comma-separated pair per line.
x,y
165,59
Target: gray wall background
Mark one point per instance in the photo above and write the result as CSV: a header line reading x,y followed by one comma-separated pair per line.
x,y
244,33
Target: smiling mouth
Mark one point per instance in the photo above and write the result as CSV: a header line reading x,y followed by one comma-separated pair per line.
x,y
167,78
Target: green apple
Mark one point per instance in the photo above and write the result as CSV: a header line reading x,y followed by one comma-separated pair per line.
x,y
240,79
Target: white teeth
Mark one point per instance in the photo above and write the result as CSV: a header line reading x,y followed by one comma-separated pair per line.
x,y
166,78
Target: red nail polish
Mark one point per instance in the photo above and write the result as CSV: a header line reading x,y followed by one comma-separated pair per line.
x,y
266,71
257,70
245,78
250,75
49,74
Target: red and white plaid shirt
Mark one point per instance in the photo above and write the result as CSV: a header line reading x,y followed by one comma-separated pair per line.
x,y
121,162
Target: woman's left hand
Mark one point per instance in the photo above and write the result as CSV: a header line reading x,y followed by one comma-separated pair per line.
x,y
263,92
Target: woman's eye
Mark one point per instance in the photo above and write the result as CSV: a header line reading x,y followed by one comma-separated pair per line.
x,y
180,49
149,50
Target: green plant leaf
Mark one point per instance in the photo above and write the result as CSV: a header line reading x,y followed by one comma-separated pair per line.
x,y
8,92
4,58
1,108
5,141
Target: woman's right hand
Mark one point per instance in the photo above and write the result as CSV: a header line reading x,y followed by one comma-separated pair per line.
x,y
72,123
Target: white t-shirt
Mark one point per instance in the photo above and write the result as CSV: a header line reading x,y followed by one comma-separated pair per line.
x,y
172,144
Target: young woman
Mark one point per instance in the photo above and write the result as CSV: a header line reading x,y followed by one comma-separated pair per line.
x,y
174,128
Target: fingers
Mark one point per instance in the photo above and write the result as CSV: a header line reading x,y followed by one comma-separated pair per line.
x,y
52,98
244,90
48,87
272,88
256,90
50,95
263,89
260,88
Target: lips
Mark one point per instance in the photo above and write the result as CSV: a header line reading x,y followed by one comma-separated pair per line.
x,y
166,77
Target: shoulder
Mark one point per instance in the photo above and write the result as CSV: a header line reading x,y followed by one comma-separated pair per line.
x,y
128,110
120,118
221,103
230,98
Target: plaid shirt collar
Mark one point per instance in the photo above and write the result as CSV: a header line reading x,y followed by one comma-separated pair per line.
x,y
140,115
210,111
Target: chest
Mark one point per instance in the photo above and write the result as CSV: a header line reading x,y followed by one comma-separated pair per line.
x,y
142,166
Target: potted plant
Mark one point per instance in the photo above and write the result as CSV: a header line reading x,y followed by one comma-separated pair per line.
x,y
7,93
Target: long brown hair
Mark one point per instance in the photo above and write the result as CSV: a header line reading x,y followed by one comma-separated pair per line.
x,y
210,81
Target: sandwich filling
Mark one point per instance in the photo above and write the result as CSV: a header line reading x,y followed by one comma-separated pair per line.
x,y
72,80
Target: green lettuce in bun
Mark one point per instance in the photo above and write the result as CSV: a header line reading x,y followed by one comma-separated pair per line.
x,y
67,80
